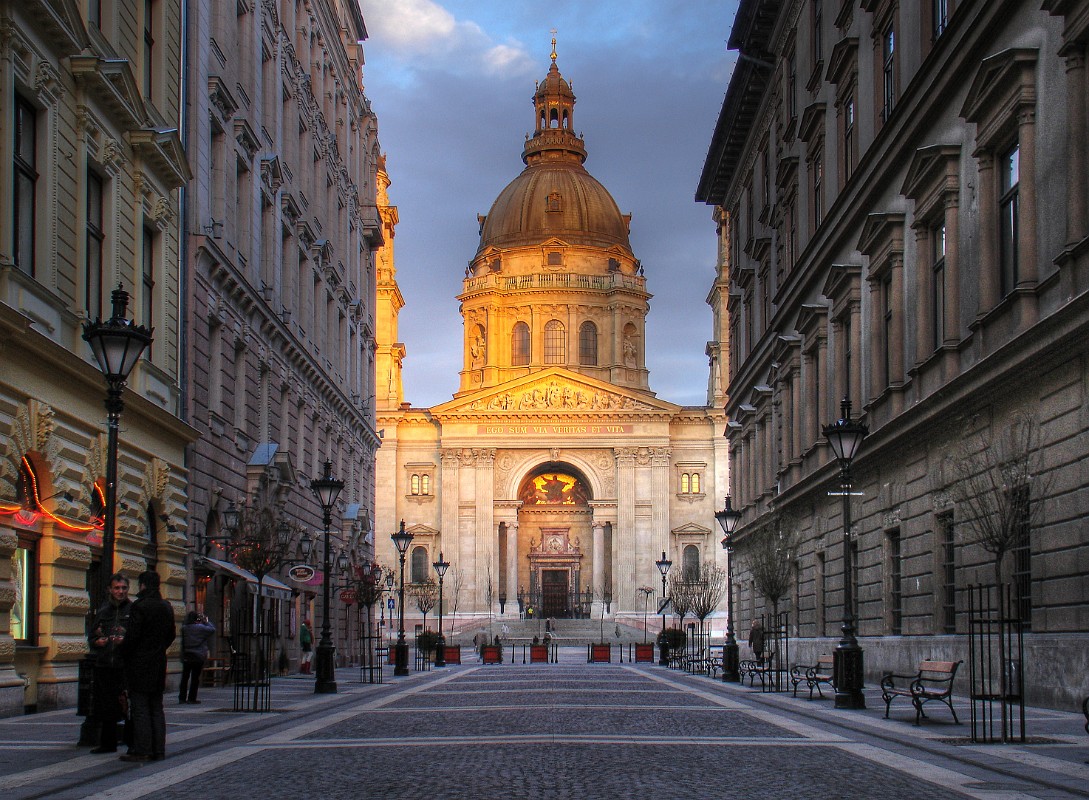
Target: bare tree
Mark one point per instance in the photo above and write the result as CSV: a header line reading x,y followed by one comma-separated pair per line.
x,y
426,595
772,550
996,478
604,596
456,579
707,591
680,595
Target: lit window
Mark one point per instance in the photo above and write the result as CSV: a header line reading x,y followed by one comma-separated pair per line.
x,y
588,344
520,345
425,484
555,343
23,582
695,483
415,484
888,71
685,483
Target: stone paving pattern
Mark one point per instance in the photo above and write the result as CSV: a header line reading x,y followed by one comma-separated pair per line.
x,y
547,731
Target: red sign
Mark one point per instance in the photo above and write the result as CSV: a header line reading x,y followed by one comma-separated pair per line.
x,y
347,595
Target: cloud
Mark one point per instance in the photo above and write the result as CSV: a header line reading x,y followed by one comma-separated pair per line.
x,y
423,35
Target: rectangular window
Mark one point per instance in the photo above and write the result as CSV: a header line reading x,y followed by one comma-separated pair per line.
x,y
555,343
895,573
818,38
1009,182
24,200
888,72
766,178
848,355
818,182
147,278
95,238
1022,554
849,148
939,16
937,260
886,332
24,582
149,49
792,84
948,573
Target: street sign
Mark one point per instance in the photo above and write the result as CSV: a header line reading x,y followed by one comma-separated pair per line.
x,y
391,604
665,606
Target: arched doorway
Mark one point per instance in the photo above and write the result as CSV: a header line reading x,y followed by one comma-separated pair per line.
x,y
554,524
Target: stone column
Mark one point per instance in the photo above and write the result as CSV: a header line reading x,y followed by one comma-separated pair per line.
x,y
1026,200
924,280
989,267
483,460
512,565
624,534
599,556
449,467
952,270
661,482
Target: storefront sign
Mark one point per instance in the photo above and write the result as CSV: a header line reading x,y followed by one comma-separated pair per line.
x,y
301,573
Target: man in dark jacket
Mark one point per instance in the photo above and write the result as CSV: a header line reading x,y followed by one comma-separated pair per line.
x,y
196,633
104,636
150,632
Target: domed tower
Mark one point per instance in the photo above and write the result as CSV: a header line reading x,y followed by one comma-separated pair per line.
x,y
554,282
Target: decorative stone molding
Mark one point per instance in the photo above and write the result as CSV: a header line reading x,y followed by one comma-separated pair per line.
x,y
73,555
70,601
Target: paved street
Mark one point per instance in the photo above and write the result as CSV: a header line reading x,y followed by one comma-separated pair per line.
x,y
567,730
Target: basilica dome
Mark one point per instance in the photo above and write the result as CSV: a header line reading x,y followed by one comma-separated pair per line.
x,y
554,196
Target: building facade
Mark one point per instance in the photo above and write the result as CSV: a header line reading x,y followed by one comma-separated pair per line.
x,y
283,230
555,477
91,165
901,190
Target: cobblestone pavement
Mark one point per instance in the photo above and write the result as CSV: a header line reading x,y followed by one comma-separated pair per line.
x,y
567,730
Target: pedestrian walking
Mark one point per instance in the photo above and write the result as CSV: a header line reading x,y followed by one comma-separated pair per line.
x,y
196,633
306,641
150,632
756,638
104,636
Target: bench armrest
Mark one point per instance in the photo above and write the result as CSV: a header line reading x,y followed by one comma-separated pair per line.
x,y
889,679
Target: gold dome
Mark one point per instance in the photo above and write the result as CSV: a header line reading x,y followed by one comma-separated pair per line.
x,y
554,196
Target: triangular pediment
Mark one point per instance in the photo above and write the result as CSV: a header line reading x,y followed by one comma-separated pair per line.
x,y
554,391
692,529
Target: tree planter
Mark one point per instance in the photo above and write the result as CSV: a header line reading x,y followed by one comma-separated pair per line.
x,y
452,653
601,653
644,653
538,654
491,654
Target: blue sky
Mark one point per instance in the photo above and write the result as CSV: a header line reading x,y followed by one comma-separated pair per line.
x,y
451,84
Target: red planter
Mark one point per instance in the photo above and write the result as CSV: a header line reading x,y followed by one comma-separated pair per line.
x,y
601,653
491,654
452,653
538,654
644,653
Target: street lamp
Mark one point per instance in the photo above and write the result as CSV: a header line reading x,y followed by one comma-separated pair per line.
x,y
401,540
728,519
326,489
117,345
389,591
663,564
440,569
845,438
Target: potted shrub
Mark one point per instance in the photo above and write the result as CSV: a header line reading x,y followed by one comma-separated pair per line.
x,y
427,641
670,640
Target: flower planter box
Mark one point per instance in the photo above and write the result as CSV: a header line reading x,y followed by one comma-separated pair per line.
x,y
452,653
601,653
491,654
644,654
538,654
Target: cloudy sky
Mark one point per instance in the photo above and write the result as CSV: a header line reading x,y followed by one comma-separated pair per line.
x,y
451,82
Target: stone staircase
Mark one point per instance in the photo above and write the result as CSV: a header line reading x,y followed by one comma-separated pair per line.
x,y
567,633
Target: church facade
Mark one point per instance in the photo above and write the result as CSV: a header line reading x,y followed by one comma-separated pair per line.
x,y
554,478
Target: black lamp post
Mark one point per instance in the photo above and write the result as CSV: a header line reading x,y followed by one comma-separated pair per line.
x,y
326,488
117,344
728,519
845,438
401,540
389,591
663,564
440,569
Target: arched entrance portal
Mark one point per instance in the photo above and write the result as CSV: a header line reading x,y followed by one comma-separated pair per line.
x,y
553,524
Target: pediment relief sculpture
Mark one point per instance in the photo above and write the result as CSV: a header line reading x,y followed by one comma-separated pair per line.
x,y
555,394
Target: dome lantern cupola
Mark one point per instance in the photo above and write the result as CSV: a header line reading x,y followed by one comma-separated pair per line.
x,y
554,104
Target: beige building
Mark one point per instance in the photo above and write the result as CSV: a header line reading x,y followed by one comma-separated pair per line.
x,y
284,228
90,169
901,190
555,477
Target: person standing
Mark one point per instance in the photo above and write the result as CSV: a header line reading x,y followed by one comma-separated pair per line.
x,y
196,633
151,631
104,636
306,641
756,639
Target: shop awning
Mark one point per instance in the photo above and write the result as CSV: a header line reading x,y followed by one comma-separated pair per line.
x,y
270,586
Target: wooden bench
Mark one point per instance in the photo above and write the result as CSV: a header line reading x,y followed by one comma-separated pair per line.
x,y
933,681
754,668
813,675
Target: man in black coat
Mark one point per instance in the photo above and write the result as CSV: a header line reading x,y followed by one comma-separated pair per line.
x,y
150,632
104,636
